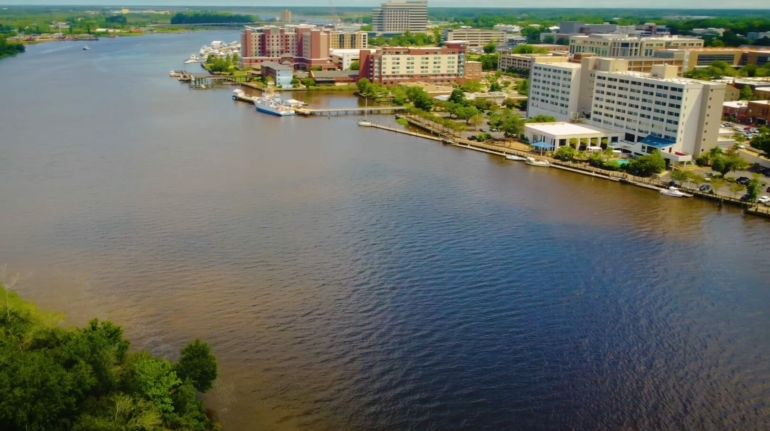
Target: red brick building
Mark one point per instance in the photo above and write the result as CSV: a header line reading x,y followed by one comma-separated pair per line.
x,y
304,47
395,65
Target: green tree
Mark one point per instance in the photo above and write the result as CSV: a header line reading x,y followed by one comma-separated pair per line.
x,y
753,188
648,165
156,380
762,140
363,85
541,119
495,87
565,153
717,184
471,86
522,87
529,49
308,82
746,93
490,48
198,365
736,188
457,96
680,176
354,65
477,120
419,98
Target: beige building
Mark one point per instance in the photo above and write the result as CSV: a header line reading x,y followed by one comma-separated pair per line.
x,y
286,16
623,45
523,62
474,37
395,65
348,40
399,16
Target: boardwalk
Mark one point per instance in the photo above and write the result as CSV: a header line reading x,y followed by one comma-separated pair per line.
x,y
349,111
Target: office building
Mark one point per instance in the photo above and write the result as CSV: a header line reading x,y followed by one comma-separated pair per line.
x,y
399,16
343,58
656,110
645,64
280,74
474,37
286,16
348,40
520,63
395,65
623,45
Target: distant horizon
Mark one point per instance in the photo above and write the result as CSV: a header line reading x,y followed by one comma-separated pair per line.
x,y
703,5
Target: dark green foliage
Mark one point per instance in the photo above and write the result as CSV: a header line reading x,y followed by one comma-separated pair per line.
x,y
116,19
84,379
541,119
9,49
457,96
210,18
647,165
355,65
198,365
762,140
565,153
495,87
490,48
419,98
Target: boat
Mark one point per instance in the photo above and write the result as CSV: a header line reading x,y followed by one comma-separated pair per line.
x,y
534,162
86,48
365,122
272,105
193,59
173,74
674,192
515,158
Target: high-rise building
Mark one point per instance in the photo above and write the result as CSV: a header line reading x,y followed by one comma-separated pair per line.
x,y
399,16
426,64
286,16
304,46
654,111
474,37
623,45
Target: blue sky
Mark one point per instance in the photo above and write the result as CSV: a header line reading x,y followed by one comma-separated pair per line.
x,y
700,4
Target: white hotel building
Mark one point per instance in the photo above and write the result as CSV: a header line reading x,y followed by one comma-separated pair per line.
x,y
678,116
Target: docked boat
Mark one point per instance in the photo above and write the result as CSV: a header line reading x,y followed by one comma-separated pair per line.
x,y
515,158
273,105
674,193
364,123
173,74
534,162
193,59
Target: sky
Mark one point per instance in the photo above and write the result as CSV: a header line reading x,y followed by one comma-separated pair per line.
x,y
681,4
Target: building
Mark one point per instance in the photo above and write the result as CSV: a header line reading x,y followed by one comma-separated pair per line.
x,y
286,16
561,134
577,27
343,58
623,45
334,77
645,64
522,62
281,74
735,110
656,110
302,45
395,65
348,40
732,93
399,16
756,35
474,37
758,113
508,28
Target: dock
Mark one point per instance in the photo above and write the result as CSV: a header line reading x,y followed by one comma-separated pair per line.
x,y
349,111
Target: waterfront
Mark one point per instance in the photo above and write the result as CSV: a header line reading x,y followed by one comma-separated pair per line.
x,y
351,278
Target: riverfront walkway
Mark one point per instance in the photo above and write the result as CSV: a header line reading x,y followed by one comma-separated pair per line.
x,y
349,111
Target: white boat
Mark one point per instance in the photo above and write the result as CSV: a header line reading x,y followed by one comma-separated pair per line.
x,y
193,59
272,105
534,162
515,158
674,193
364,123
86,48
173,74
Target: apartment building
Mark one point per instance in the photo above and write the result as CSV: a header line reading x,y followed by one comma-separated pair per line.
x,y
286,16
656,110
399,16
395,65
343,58
348,40
474,37
623,45
303,45
522,62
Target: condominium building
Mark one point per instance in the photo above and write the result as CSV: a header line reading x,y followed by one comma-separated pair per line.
x,y
286,16
623,45
427,64
348,40
399,16
474,37
304,46
656,110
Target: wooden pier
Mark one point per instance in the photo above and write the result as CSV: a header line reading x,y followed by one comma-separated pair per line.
x,y
349,111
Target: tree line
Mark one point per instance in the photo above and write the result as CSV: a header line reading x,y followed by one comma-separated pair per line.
x,y
87,379
9,49
211,18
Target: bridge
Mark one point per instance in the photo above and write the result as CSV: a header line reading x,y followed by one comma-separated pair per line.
x,y
349,111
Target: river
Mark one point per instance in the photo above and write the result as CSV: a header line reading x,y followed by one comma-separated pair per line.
x,y
355,279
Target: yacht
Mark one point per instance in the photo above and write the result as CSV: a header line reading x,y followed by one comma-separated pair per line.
x,y
193,59
364,123
674,193
272,105
515,158
534,162
86,48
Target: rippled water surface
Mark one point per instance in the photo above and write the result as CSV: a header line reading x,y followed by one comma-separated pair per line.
x,y
354,279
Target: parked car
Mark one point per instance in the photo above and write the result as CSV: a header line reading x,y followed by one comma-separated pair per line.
x,y
763,199
705,188
472,138
745,197
742,180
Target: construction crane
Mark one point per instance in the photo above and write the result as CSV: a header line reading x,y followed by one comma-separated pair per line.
x,y
334,14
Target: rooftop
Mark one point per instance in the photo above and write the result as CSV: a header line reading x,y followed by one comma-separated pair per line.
x,y
276,66
643,75
736,104
557,129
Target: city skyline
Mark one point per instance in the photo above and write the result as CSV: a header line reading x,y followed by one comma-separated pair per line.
x,y
598,4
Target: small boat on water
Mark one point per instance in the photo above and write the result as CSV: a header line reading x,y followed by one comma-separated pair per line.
x,y
534,162
674,193
86,48
515,158
364,123
193,59
173,74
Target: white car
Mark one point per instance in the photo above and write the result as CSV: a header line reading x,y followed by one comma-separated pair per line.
x,y
763,199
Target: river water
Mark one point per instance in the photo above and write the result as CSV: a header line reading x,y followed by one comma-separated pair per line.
x,y
356,279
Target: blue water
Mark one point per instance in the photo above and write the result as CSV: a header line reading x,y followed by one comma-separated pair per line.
x,y
351,278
